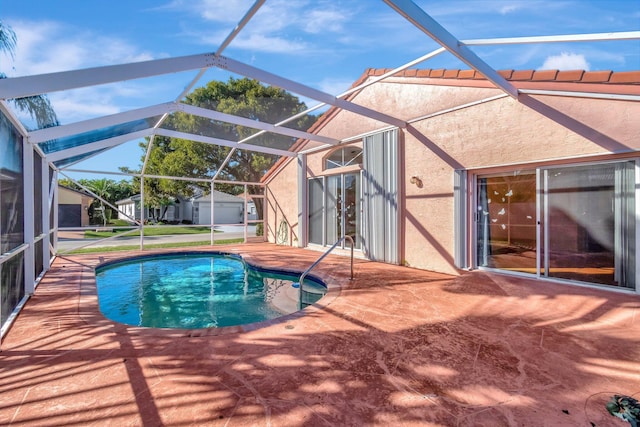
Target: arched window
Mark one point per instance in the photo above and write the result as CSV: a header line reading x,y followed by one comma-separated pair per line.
x,y
344,156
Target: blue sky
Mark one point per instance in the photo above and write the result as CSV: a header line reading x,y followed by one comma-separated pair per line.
x,y
323,44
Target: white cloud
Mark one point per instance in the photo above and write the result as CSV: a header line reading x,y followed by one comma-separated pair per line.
x,y
318,21
267,44
279,26
45,47
73,106
566,61
229,11
506,9
223,10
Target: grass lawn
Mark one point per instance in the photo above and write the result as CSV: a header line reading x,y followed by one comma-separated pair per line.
x,y
154,246
150,231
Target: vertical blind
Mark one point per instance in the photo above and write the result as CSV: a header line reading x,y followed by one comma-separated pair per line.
x,y
380,197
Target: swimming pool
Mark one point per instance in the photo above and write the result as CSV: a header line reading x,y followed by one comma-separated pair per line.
x,y
197,290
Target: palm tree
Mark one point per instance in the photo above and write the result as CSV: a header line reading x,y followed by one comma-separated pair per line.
x,y
102,188
8,39
37,106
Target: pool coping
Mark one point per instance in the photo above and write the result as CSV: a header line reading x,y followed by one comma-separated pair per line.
x,y
89,307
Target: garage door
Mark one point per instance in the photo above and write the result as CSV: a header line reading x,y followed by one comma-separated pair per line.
x,y
69,216
224,214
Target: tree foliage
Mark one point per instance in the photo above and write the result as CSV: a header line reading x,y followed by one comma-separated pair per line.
x,y
244,97
38,106
108,189
8,40
102,188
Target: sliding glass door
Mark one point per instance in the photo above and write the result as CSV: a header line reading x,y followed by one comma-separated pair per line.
x,y
590,223
334,208
506,221
572,222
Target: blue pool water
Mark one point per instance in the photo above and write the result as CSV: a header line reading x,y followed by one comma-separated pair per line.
x,y
197,290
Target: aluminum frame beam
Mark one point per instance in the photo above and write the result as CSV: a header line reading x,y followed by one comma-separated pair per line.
x,y
48,134
245,19
242,121
99,172
614,96
93,146
357,88
28,192
419,18
592,37
388,74
300,89
8,112
243,22
222,142
19,87
45,213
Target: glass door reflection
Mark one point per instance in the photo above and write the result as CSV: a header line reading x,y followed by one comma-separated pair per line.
x,y
591,223
335,209
506,221
587,229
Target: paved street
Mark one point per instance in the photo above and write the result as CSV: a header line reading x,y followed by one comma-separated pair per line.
x,y
72,239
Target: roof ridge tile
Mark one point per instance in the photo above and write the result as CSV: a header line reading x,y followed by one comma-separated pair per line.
x,y
554,75
569,75
596,76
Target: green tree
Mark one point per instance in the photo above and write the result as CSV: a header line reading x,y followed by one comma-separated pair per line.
x,y
118,190
121,190
38,107
154,194
102,188
241,97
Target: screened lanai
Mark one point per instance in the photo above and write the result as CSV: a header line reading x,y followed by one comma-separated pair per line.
x,y
113,103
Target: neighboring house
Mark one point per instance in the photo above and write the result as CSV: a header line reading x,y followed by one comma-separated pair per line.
x,y
227,209
543,185
252,213
179,210
73,207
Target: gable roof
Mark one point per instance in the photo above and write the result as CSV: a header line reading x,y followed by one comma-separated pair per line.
x,y
608,82
218,196
81,192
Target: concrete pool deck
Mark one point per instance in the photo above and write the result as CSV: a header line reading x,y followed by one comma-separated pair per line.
x,y
396,346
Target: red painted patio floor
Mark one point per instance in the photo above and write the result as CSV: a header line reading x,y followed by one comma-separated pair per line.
x,y
396,346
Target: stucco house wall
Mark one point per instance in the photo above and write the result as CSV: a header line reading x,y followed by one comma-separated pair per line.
x,y
491,132
73,206
281,199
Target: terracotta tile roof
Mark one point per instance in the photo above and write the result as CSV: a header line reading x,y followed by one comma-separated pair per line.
x,y
576,76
